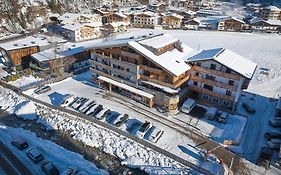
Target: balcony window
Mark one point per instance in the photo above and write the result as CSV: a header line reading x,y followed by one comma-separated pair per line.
x,y
195,83
231,82
213,66
205,97
226,103
210,88
210,77
228,70
215,100
228,93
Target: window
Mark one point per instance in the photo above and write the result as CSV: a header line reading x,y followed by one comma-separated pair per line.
x,y
216,100
228,70
210,88
205,97
213,66
197,73
228,93
195,83
231,82
198,64
226,103
210,77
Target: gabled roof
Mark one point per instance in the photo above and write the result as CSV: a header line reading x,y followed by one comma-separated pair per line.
x,y
158,41
272,8
77,25
68,17
236,19
173,15
229,59
147,13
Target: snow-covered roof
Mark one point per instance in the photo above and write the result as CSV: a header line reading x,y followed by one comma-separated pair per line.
x,y
174,15
120,15
229,59
234,18
171,61
119,23
147,13
127,87
30,41
65,50
164,88
68,17
158,41
270,22
77,25
272,8
190,12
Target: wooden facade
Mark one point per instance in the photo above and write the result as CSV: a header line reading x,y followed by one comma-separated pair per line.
x,y
21,56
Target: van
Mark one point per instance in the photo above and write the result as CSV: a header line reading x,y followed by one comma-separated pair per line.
x,y
188,105
211,113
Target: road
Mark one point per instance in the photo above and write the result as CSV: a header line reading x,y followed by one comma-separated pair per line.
x,y
10,163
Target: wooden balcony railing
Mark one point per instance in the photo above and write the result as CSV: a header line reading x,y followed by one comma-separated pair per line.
x,y
130,55
215,72
211,93
213,83
150,69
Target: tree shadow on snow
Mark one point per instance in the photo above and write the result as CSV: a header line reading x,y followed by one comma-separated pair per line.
x,y
57,98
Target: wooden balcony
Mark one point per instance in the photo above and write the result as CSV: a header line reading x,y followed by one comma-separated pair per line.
x,y
150,69
130,55
217,73
211,93
180,81
213,83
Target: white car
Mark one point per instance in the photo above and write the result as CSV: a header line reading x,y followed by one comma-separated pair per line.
x,y
67,100
143,129
155,135
188,105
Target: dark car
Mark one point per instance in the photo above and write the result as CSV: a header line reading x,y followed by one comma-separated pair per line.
x,y
112,116
96,111
265,157
275,124
49,168
272,135
41,90
20,143
105,114
248,108
119,121
34,154
144,127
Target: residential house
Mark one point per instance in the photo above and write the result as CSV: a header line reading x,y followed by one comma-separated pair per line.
x,y
192,24
148,69
269,26
116,27
270,13
207,12
231,24
172,21
117,17
65,58
82,31
158,8
146,19
218,77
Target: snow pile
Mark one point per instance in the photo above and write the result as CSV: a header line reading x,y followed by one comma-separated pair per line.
x,y
25,81
26,110
61,157
130,152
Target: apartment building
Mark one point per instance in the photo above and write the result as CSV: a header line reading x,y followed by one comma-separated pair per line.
x,y
269,26
172,21
117,17
270,13
231,24
218,77
82,31
146,19
79,18
149,69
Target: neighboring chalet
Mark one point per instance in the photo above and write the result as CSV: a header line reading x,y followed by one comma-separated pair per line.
x,y
270,13
269,26
172,21
148,69
17,53
117,17
116,27
192,24
218,77
158,8
82,31
146,19
117,22
231,24
65,58
207,13
78,18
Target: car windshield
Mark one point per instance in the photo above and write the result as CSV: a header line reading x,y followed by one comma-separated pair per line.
x,y
144,127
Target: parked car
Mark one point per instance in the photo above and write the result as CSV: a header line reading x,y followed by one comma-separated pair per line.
x,y
70,171
144,127
274,123
155,134
20,143
223,117
211,113
250,109
87,105
188,105
67,100
105,114
49,168
96,111
42,90
112,116
265,157
272,135
121,120
34,154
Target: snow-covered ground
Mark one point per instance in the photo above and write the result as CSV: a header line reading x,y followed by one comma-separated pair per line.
x,y
25,81
61,157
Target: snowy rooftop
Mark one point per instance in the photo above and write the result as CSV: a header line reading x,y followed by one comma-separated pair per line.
x,y
164,88
75,26
37,40
270,22
234,18
174,15
229,59
68,17
272,8
121,15
124,86
119,23
158,41
171,61
64,50
147,13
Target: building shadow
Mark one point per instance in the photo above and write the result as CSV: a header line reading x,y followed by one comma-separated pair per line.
x,y
57,98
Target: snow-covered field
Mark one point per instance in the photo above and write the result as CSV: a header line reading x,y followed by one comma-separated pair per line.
x,y
25,81
61,158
